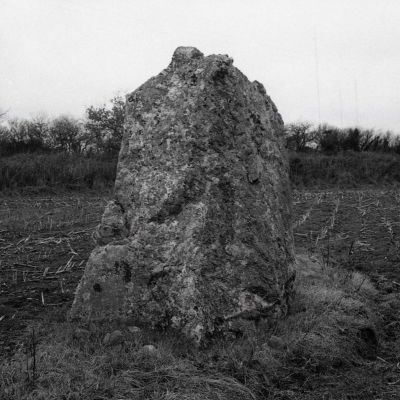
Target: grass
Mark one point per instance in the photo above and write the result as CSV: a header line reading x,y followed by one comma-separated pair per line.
x,y
330,329
55,170
345,170
33,172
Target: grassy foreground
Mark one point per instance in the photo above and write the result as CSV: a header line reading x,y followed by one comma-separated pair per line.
x,y
330,333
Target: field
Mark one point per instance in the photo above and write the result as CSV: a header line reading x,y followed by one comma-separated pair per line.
x,y
45,241
358,229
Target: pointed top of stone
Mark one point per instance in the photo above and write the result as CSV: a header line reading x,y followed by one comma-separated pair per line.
x,y
184,54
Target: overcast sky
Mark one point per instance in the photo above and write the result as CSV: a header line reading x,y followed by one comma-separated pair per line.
x,y
60,56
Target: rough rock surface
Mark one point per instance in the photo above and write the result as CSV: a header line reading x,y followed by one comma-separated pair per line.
x,y
198,237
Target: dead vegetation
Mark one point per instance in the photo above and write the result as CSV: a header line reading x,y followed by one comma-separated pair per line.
x,y
331,330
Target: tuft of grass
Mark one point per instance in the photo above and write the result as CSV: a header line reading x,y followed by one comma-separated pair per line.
x,y
332,311
330,328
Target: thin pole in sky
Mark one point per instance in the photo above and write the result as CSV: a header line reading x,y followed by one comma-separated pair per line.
x,y
341,104
317,76
356,100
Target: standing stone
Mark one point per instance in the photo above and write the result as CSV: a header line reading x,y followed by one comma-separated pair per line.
x,y
198,236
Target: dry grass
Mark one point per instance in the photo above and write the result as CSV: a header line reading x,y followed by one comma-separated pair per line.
x,y
328,330
41,172
346,170
73,369
331,313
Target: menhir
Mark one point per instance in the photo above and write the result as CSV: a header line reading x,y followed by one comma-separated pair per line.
x,y
198,237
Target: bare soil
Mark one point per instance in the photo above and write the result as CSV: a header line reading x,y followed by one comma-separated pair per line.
x,y
44,245
358,229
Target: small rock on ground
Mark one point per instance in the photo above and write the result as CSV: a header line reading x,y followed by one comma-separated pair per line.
x,y
276,342
113,338
81,334
149,348
134,329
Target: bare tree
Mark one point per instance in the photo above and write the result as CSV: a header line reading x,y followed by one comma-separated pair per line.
x,y
65,134
39,127
2,113
300,135
18,129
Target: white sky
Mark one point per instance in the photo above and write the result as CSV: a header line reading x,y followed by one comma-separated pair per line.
x,y
59,56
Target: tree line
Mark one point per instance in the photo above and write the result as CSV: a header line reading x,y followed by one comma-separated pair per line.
x,y
305,137
75,153
100,132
